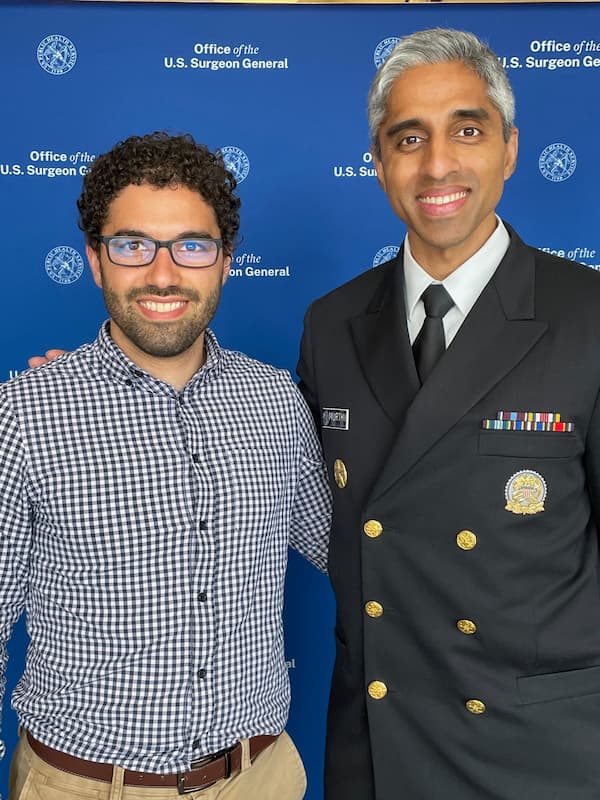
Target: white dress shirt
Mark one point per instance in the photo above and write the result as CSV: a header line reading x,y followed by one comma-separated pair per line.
x,y
464,285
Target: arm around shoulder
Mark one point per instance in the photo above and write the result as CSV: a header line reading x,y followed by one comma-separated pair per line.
x,y
312,510
305,368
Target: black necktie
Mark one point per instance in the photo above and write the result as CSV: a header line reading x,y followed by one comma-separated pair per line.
x,y
431,343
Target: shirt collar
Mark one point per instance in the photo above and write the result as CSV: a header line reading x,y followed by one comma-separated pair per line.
x,y
118,366
466,283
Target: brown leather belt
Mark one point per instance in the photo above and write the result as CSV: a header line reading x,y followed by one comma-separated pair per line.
x,y
203,772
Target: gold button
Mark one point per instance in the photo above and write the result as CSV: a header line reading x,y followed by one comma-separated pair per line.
x,y
373,608
340,473
466,626
377,690
475,706
466,540
372,528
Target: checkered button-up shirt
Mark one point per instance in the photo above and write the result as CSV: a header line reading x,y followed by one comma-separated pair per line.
x,y
146,532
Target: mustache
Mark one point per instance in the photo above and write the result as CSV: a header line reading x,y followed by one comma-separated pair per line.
x,y
166,291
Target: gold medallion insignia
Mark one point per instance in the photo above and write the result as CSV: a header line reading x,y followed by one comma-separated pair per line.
x,y
525,492
340,473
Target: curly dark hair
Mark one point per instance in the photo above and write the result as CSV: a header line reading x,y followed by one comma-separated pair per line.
x,y
159,159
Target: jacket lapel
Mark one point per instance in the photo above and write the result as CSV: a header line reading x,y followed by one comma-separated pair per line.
x,y
381,340
497,333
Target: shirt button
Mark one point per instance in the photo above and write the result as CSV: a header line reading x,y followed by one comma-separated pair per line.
x,y
128,382
203,525
202,596
195,458
202,673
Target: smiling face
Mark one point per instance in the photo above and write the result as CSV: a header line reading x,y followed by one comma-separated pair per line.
x,y
158,313
443,162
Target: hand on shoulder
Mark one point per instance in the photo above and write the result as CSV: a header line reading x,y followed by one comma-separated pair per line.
x,y
37,361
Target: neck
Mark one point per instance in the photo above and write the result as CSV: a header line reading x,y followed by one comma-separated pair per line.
x,y
174,370
438,272
439,262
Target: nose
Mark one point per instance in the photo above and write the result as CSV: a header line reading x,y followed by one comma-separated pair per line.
x,y
440,158
163,271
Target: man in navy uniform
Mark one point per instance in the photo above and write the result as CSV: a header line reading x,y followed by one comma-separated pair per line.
x,y
457,391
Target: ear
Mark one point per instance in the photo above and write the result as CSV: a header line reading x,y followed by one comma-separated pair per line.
x,y
226,268
510,155
94,262
378,167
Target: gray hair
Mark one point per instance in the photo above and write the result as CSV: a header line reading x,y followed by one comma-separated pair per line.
x,y
436,46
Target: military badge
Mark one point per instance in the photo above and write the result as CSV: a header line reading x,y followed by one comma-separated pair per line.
x,y
525,492
340,473
528,421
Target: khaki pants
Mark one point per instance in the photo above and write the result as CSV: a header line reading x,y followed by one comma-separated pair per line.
x,y
276,774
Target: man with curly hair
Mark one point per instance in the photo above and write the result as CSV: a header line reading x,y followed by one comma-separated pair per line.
x,y
152,482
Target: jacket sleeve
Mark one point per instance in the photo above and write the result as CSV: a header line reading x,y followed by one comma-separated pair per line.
x,y
592,462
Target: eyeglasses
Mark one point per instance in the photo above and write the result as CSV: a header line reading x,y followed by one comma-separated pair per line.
x,y
139,251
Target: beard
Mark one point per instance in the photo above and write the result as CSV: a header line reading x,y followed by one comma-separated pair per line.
x,y
161,339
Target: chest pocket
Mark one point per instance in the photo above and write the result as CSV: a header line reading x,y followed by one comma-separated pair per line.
x,y
256,483
528,444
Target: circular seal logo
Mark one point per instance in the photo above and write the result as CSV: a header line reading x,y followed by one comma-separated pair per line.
x,y
56,54
525,492
557,162
236,161
385,254
383,49
64,264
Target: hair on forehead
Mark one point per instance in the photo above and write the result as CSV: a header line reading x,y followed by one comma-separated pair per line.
x,y
159,159
438,46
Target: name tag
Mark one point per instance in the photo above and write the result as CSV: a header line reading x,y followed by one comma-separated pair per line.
x,y
335,418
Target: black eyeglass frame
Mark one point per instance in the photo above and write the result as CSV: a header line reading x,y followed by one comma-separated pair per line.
x,y
158,243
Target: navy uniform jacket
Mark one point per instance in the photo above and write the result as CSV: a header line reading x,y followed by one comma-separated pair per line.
x,y
464,560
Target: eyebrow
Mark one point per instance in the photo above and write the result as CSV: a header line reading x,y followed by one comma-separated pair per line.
x,y
190,234
461,113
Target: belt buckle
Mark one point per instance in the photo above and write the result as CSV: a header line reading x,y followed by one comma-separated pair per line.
x,y
225,753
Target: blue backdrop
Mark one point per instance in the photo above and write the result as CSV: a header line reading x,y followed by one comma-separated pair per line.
x,y
281,90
